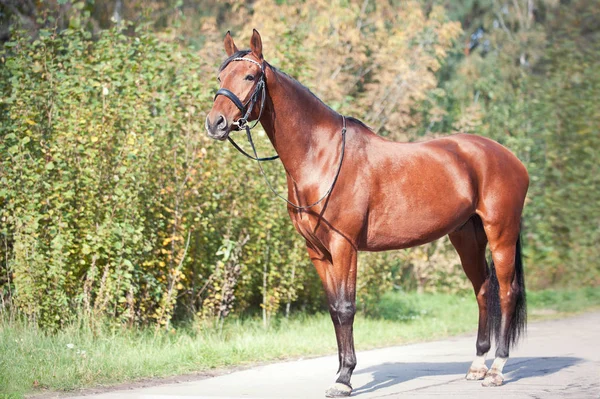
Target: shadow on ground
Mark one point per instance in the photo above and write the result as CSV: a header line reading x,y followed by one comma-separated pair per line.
x,y
390,374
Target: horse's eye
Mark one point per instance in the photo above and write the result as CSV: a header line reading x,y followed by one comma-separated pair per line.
x,y
249,77
218,79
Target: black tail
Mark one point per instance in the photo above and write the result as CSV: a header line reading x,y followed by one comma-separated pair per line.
x,y
519,319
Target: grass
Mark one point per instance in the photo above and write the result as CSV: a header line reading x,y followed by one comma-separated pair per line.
x,y
31,360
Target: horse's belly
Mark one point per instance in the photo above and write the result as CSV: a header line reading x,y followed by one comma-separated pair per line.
x,y
404,224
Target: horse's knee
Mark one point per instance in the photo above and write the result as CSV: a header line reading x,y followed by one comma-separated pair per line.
x,y
342,312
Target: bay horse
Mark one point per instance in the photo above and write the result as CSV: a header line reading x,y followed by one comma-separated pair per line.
x,y
351,190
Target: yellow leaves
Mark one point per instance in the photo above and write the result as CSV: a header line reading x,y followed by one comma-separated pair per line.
x,y
391,49
440,52
447,33
30,122
170,239
470,120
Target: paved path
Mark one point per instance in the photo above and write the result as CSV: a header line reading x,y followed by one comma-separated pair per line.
x,y
558,359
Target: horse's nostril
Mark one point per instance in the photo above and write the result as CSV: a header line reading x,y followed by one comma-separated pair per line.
x,y
221,122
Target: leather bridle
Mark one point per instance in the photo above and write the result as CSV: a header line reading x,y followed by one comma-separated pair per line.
x,y
242,123
246,109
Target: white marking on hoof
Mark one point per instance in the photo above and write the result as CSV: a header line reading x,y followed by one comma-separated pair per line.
x,y
498,364
478,369
493,379
338,390
476,373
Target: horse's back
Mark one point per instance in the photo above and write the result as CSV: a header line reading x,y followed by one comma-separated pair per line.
x,y
490,165
422,191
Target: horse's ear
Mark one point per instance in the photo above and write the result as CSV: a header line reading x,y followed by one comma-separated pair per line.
x,y
230,47
256,45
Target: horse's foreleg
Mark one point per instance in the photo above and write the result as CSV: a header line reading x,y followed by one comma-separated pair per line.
x,y
338,274
342,313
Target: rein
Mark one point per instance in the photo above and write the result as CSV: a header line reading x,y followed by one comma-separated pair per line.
x,y
242,123
337,173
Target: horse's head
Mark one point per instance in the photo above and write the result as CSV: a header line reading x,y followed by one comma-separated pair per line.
x,y
241,79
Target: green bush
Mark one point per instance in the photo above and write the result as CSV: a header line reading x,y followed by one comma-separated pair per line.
x,y
113,202
88,127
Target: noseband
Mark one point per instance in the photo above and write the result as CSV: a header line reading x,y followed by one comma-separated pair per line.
x,y
246,109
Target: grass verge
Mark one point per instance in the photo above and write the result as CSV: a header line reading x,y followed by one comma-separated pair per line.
x,y
76,357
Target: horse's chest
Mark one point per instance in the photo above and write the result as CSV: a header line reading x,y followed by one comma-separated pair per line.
x,y
308,226
302,222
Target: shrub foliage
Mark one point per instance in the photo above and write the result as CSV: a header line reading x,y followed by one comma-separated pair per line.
x,y
113,202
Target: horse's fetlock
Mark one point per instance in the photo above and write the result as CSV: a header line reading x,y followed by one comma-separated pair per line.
x,y
350,363
502,351
483,347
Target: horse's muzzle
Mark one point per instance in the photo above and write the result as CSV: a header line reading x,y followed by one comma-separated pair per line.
x,y
219,129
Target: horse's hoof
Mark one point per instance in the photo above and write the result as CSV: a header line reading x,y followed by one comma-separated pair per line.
x,y
476,373
338,390
493,379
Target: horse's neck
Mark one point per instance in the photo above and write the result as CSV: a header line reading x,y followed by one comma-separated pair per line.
x,y
301,128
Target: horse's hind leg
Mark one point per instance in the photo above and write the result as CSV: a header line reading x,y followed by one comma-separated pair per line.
x,y
470,241
506,299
